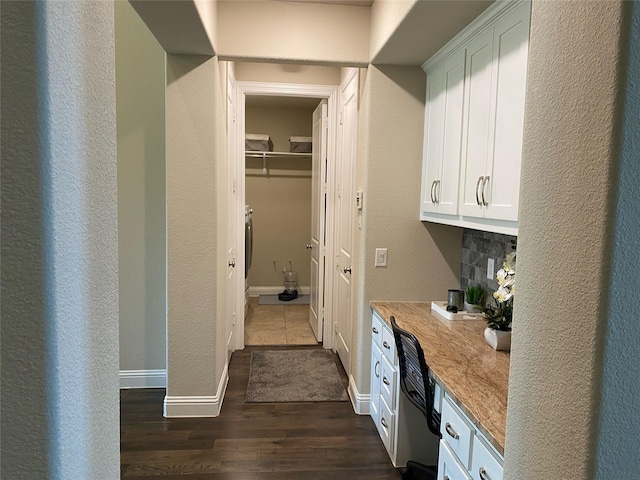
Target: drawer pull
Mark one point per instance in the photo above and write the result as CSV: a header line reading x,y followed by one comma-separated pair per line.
x,y
483,474
375,369
452,433
385,380
480,180
386,345
384,422
374,330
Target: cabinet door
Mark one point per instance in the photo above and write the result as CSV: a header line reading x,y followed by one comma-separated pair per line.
x,y
449,467
476,132
374,407
446,190
510,51
432,149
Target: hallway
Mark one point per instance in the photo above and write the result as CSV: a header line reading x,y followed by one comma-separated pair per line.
x,y
268,441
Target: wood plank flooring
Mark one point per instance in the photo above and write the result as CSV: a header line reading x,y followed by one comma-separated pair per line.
x,y
284,441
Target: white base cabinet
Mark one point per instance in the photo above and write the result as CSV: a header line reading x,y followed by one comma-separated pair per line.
x,y
402,427
464,452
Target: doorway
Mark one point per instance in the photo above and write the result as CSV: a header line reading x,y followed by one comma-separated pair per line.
x,y
262,90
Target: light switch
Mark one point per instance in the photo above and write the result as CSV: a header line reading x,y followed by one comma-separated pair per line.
x,y
490,268
381,257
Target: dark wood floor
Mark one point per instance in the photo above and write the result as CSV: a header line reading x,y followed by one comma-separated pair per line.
x,y
286,441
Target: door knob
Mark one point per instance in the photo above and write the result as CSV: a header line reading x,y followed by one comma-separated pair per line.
x,y
232,263
347,270
309,246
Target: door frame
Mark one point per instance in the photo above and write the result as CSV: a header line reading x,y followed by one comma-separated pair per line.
x,y
330,93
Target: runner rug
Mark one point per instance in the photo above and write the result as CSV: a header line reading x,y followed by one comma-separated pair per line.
x,y
294,376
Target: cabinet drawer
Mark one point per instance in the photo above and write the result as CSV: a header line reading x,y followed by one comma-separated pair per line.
x,y
376,330
388,344
457,431
449,467
386,425
485,464
438,395
388,383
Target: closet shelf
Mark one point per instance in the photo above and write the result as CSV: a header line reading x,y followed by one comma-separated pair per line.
x,y
276,155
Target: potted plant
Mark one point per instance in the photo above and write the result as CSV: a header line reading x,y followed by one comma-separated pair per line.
x,y
500,316
474,299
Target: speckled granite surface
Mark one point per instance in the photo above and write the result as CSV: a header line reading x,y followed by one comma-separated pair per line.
x,y
475,375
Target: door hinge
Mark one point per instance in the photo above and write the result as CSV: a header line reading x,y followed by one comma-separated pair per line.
x,y
234,114
341,116
325,122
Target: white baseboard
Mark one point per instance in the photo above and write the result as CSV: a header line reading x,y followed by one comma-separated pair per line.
x,y
197,405
143,378
274,290
359,401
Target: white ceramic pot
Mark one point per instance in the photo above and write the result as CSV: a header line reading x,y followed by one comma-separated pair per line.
x,y
471,308
498,339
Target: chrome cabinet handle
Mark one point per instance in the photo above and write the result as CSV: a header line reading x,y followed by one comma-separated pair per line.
x,y
452,433
484,185
437,197
309,246
446,477
433,185
483,474
384,422
347,270
480,179
375,369
374,330
232,263
385,380
386,345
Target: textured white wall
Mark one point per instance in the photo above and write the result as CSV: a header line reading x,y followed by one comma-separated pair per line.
x,y
59,242
140,84
423,259
196,229
386,16
293,31
564,244
620,397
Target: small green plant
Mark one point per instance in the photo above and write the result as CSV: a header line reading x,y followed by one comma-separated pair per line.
x,y
474,294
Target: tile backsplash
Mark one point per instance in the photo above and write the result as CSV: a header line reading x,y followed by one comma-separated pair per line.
x,y
477,248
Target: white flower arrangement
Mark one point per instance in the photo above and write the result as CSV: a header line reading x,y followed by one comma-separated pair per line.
x,y
500,317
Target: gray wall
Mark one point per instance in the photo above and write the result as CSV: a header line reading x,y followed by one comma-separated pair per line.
x,y
620,397
140,84
59,242
566,224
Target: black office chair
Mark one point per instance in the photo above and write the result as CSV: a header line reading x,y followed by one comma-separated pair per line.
x,y
416,385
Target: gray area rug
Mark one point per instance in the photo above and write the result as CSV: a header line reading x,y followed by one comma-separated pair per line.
x,y
294,376
274,300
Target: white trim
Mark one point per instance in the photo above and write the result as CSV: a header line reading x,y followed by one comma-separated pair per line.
x,y
143,378
361,402
273,290
197,405
330,92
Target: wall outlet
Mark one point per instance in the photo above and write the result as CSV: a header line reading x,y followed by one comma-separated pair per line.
x,y
490,268
381,257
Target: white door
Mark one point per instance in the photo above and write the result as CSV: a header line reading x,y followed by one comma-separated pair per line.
x,y
232,220
345,208
510,50
476,132
318,218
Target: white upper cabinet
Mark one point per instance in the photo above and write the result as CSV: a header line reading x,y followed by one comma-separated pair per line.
x,y
443,135
495,87
474,120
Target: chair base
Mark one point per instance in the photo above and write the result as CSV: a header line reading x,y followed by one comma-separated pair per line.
x,y
418,471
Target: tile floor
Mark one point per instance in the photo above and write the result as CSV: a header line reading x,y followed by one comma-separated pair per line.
x,y
277,325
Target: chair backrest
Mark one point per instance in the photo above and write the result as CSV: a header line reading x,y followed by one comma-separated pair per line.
x,y
414,375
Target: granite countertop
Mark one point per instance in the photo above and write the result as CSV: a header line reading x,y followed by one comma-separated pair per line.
x,y
469,370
